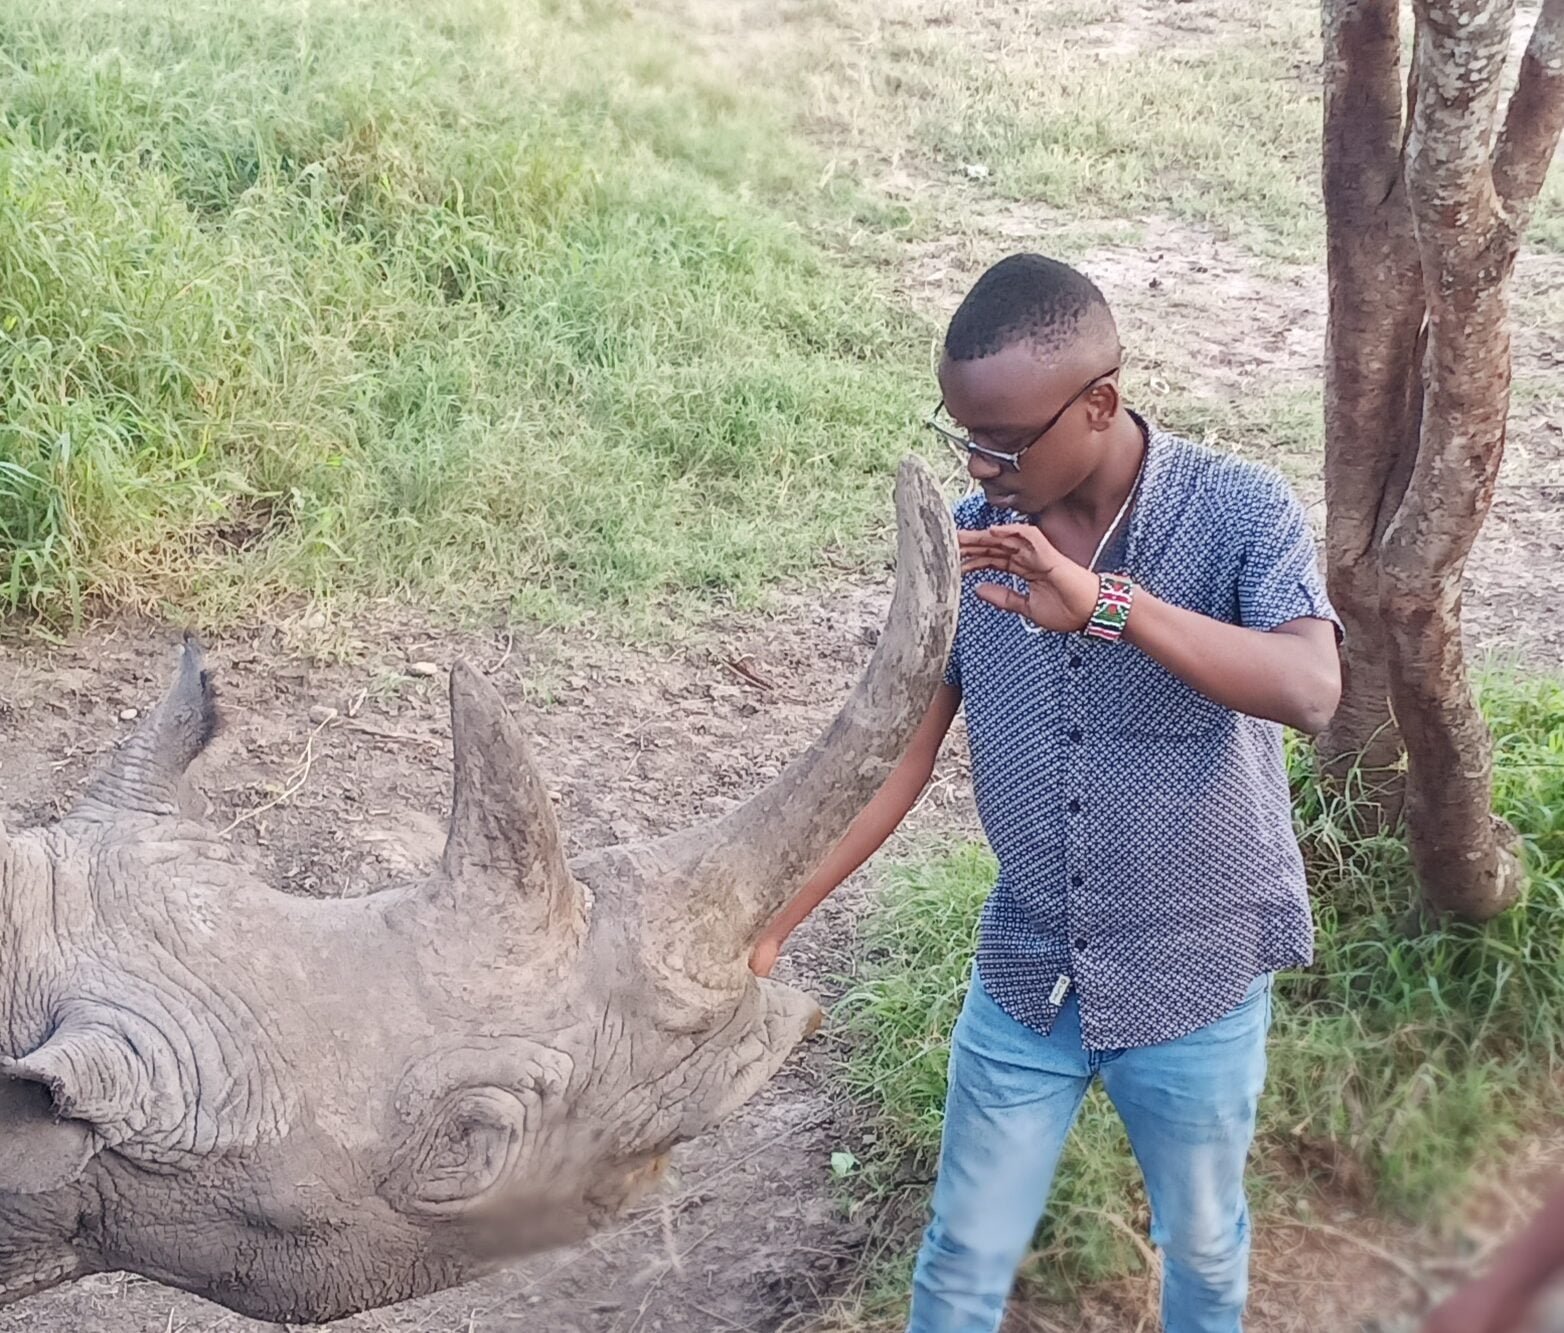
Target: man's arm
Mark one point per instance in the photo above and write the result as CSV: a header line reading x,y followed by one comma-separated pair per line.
x,y
1290,674
1498,1301
870,830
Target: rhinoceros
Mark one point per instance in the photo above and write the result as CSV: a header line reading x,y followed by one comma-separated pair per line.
x,y
302,1109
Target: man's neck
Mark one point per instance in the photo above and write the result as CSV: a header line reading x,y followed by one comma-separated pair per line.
x,y
1096,501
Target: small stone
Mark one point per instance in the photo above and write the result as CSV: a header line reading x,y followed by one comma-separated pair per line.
x,y
128,714
321,714
423,670
977,171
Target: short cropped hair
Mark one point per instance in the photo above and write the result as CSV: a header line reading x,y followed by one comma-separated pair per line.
x,y
1028,298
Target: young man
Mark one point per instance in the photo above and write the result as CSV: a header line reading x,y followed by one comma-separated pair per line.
x,y
1139,615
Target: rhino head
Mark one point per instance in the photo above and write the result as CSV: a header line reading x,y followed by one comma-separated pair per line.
x,y
302,1108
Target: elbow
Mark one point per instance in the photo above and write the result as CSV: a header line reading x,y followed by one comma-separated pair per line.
x,y
1314,706
1311,720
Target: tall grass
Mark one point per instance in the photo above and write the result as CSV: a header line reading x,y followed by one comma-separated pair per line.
x,y
1399,1062
480,302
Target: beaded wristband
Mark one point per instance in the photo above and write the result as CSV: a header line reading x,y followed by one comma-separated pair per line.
x,y
1115,593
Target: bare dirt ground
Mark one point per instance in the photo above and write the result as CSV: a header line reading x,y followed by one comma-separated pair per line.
x,y
640,741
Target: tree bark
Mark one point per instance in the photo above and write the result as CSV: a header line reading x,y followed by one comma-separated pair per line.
x,y
1372,386
1424,215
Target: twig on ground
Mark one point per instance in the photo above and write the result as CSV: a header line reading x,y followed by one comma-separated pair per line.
x,y
1410,1271
296,783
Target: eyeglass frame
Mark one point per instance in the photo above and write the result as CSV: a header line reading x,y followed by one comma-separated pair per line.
x,y
967,446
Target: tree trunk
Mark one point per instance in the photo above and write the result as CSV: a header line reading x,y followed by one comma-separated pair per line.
x,y
1424,219
1371,376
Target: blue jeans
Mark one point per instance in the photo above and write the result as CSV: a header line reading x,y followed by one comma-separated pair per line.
x,y
1189,1106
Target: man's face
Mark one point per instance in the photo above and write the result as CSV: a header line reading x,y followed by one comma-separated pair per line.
x,y
1052,410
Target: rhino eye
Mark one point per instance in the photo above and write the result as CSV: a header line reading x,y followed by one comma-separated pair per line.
x,y
462,1154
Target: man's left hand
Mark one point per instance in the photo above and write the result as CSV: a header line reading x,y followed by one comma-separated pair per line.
x,y
1063,594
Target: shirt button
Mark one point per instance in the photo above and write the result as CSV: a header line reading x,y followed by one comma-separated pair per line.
x,y
1074,807
1077,880
1080,945
1075,660
1075,735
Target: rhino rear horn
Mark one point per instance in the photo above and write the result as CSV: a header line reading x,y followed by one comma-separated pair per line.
x,y
504,861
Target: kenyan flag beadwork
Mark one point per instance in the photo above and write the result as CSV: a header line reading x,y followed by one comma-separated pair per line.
x,y
1114,596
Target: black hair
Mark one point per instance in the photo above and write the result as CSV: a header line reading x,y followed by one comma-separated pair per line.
x,y
1026,297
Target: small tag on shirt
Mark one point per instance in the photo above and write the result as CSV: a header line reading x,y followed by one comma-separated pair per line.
x,y
1060,990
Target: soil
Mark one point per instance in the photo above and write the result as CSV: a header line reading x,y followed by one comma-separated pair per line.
x,y
636,741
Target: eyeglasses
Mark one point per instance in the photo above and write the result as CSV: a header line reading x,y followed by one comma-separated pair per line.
x,y
965,446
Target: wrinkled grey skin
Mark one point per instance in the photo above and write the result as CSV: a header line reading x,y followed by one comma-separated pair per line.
x,y
302,1109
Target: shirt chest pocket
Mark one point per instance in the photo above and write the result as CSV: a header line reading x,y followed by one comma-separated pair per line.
x,y
1149,700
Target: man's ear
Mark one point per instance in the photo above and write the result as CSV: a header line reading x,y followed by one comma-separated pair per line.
x,y
1103,403
39,1151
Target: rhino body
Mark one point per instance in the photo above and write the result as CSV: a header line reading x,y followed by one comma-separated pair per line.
x,y
304,1109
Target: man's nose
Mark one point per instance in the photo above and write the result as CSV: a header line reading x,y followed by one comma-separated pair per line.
x,y
980,468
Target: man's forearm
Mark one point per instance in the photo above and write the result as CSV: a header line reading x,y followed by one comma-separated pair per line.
x,y
875,823
1291,678
866,835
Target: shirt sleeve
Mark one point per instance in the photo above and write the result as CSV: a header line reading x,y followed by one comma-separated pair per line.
x,y
953,665
1279,576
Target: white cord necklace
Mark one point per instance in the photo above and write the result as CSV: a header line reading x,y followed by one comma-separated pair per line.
x,y
1117,518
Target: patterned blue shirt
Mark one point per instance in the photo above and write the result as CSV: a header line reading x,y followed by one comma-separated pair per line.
x,y
1144,833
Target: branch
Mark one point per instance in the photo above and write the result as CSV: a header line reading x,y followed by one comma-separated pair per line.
x,y
1535,119
1363,104
1461,50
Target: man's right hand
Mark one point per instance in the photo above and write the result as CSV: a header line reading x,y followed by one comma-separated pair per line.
x,y
764,955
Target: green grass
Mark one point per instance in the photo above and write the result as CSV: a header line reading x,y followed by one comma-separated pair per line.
x,y
1398,1065
1224,138
1091,113
1547,227
475,303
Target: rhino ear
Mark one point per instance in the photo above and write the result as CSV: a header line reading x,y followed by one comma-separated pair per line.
x,y
145,773
39,1151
